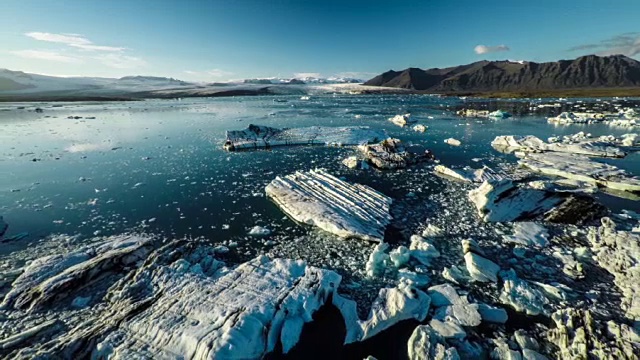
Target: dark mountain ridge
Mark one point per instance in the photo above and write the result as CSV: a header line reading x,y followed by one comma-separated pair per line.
x,y
616,71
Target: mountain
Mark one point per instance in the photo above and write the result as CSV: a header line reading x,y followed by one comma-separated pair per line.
x,y
585,72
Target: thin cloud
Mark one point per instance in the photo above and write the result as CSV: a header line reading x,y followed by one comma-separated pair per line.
x,y
355,75
68,39
47,55
73,40
627,44
483,49
218,73
208,74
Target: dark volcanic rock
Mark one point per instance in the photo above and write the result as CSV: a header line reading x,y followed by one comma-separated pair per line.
x,y
590,71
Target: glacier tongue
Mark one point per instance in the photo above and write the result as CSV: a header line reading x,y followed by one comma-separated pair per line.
x,y
318,198
257,136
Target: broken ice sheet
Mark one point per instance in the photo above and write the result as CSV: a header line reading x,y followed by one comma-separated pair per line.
x,y
257,136
320,199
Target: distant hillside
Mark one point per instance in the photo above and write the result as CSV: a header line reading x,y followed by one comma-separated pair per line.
x,y
585,72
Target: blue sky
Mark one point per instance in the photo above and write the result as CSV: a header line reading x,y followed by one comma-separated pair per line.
x,y
210,40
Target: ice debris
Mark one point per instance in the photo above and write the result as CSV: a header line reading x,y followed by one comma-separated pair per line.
x,y
522,296
479,268
320,199
259,231
419,128
352,162
257,136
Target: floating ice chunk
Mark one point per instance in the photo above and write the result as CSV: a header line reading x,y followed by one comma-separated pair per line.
x,y
394,305
445,294
469,175
522,296
423,250
525,341
419,128
452,142
392,154
402,120
256,136
465,315
378,259
480,268
493,314
473,113
499,114
503,352
456,274
320,199
528,234
50,278
352,162
448,329
531,143
259,231
581,168
528,354
425,344
418,279
390,307
504,201
432,231
399,256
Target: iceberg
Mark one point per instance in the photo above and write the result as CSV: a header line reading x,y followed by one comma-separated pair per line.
x,y
257,136
425,343
581,168
320,199
503,201
452,142
528,234
498,114
467,174
402,120
528,144
392,154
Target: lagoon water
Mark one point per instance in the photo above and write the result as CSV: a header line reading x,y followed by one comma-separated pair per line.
x,y
158,166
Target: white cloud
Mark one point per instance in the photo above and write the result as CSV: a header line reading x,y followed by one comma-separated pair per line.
x,y
218,73
74,40
483,49
47,55
362,75
213,74
68,39
306,75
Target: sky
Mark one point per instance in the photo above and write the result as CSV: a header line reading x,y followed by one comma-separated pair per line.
x,y
219,40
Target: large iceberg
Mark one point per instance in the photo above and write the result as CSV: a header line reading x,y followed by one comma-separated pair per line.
x,y
256,136
318,198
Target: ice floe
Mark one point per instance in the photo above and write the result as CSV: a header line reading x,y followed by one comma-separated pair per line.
x,y
503,201
581,168
468,174
531,143
419,128
256,136
320,199
528,234
425,344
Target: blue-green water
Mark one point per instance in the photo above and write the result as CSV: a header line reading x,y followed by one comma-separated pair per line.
x,y
163,160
